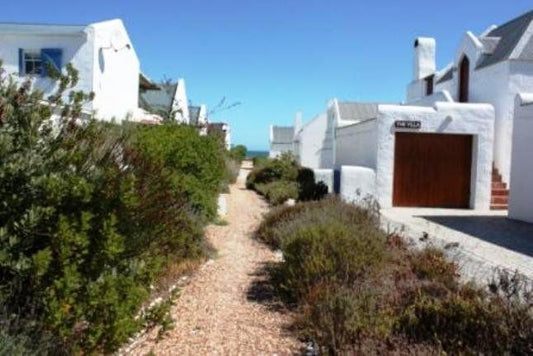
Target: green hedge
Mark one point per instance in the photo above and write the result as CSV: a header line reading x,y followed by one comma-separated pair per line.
x,y
91,215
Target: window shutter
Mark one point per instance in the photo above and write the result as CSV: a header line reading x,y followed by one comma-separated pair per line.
x,y
51,55
21,61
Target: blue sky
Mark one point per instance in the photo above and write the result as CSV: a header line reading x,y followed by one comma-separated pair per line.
x,y
277,57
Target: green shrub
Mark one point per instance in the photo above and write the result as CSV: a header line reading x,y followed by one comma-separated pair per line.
x,y
190,163
356,291
327,251
238,153
278,192
259,161
283,221
92,215
308,189
283,168
232,169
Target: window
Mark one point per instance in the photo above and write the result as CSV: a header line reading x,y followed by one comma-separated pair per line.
x,y
429,84
464,77
32,63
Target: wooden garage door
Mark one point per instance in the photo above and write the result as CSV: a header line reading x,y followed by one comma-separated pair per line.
x,y
432,170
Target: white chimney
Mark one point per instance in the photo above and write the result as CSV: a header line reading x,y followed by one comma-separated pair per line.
x,y
424,61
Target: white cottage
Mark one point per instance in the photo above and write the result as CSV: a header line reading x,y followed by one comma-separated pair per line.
x,y
281,140
102,53
494,67
168,100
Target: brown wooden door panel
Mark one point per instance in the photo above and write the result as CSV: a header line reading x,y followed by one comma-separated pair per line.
x,y
432,170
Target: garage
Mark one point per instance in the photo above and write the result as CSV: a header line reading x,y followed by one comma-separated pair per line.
x,y
432,170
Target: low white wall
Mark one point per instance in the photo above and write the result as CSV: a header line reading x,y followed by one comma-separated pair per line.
x,y
356,145
521,194
325,176
358,184
445,118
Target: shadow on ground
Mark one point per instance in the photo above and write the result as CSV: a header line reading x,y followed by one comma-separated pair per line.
x,y
499,230
263,291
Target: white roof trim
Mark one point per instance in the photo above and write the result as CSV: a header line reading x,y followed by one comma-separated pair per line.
x,y
525,98
41,29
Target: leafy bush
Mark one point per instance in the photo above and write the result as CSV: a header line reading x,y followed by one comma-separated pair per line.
x,y
91,215
281,175
356,291
308,189
259,161
283,221
278,192
328,252
190,163
238,153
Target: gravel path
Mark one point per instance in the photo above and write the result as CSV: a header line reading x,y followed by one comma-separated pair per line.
x,y
214,315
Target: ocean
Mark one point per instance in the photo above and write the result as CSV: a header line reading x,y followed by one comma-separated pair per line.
x,y
252,154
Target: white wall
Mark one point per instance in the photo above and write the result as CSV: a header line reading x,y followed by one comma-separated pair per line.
x,y
446,118
356,145
325,176
358,184
99,53
77,49
521,192
310,141
276,149
116,71
181,103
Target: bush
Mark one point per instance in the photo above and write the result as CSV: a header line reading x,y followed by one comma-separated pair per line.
x,y
278,192
283,168
238,153
356,291
327,252
190,163
308,189
283,221
286,170
92,214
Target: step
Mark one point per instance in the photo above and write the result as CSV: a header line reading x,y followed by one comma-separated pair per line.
x,y
499,200
499,206
500,192
499,185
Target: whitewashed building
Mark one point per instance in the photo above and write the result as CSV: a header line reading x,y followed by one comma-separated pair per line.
x,y
281,140
168,100
521,199
463,134
102,53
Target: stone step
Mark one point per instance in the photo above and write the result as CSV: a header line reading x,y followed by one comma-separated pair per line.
x,y
499,199
500,192
498,207
499,185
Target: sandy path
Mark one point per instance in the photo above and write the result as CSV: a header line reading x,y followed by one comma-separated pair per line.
x,y
213,315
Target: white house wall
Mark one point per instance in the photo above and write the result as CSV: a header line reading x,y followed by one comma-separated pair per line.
x,y
356,145
181,103
76,48
446,118
521,194
116,71
276,149
310,142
